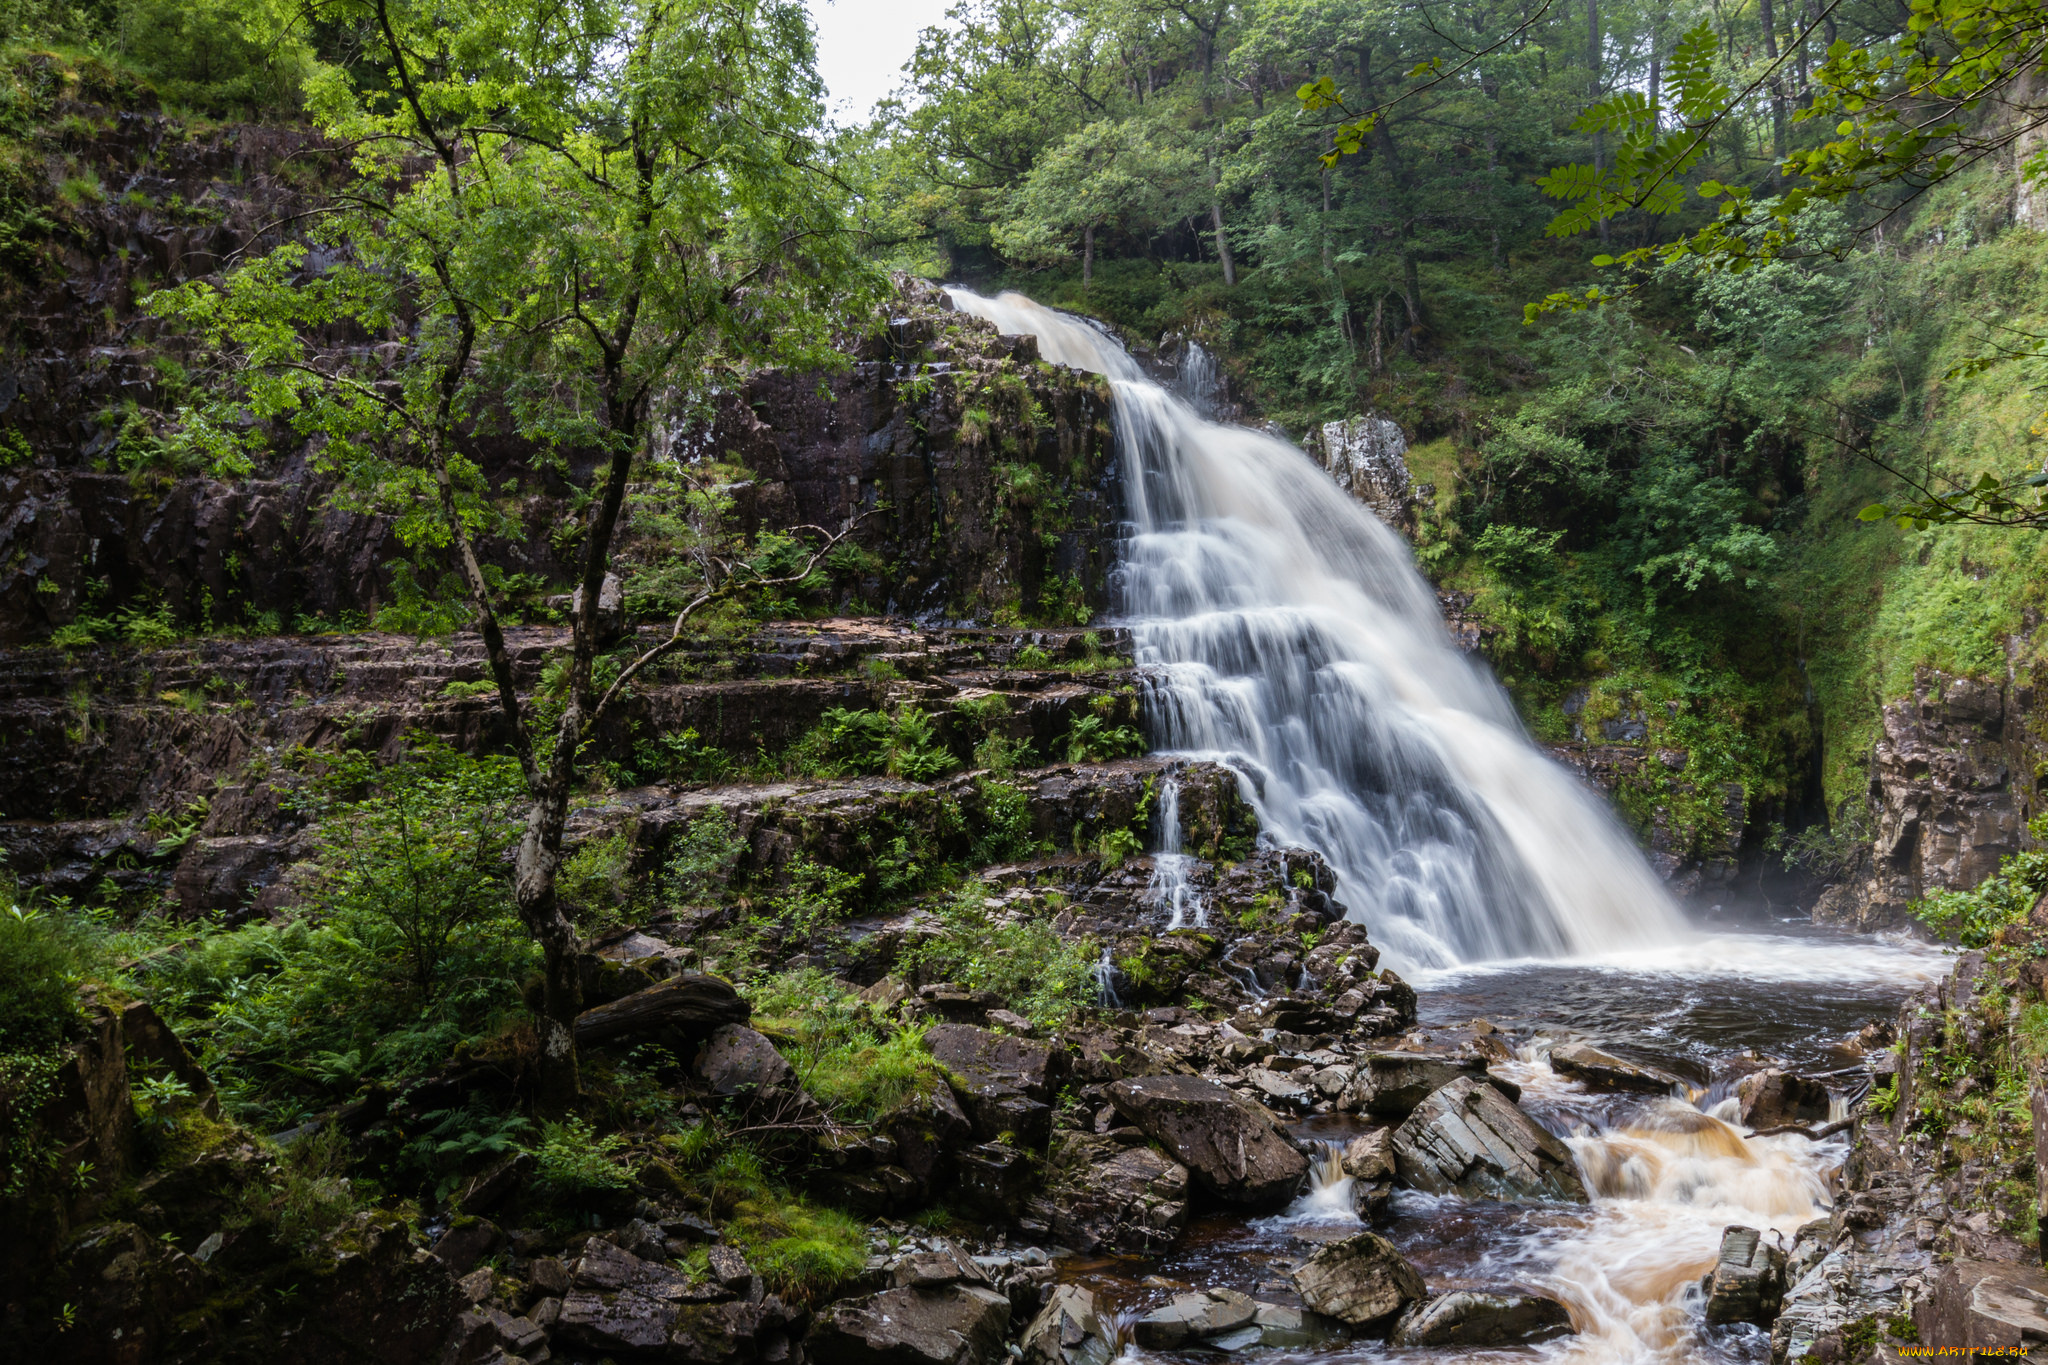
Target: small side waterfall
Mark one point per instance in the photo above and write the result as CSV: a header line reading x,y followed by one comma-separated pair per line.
x,y
1288,635
1328,1195
1172,885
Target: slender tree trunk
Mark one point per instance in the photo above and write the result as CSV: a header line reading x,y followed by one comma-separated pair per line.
x,y
1222,241
1087,255
1329,265
1379,330
1769,19
1593,93
1411,296
1654,89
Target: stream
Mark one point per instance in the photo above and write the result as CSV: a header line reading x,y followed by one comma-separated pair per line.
x,y
1668,1175
1284,632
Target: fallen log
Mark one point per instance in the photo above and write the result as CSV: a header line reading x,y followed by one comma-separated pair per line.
x,y
695,1002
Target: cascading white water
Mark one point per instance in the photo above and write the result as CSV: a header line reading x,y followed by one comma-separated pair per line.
x,y
1172,886
1289,636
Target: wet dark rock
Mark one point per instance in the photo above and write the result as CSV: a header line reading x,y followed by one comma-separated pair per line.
x,y
380,1298
1285,1326
1951,783
958,1004
1583,1061
735,1333
1747,1283
927,1132
494,1184
1987,1306
1390,1084
1230,1148
467,1241
944,1264
625,1320
1468,1318
957,1324
1471,1139
1772,1097
1361,1280
693,1003
1067,1331
485,1333
993,1179
1102,1194
1004,1082
738,1063
1192,1318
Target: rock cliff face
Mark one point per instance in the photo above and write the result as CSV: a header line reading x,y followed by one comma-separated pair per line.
x,y
1368,456
986,475
1954,778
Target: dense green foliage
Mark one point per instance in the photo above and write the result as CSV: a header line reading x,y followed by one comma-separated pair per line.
x,y
1974,917
405,950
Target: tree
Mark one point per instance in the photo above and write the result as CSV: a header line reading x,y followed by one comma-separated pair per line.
x,y
567,224
1121,173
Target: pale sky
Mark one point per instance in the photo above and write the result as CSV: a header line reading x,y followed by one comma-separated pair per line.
x,y
862,46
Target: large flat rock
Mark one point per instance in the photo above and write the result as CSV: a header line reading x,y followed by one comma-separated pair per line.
x,y
1470,1139
1228,1145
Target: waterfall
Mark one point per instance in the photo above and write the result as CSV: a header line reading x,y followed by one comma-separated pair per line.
x,y
1286,633
1172,886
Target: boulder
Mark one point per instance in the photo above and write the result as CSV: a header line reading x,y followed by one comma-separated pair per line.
x,y
958,1004
733,1333
1771,1098
1004,1082
957,1324
467,1241
992,1179
486,1334
1361,1280
629,1320
1390,1084
1584,1062
1280,1325
947,1264
1468,1318
1103,1194
977,1055
1370,1156
693,1003
604,1268
1229,1146
1747,1283
1987,1306
927,1132
1468,1138
1067,1331
1193,1318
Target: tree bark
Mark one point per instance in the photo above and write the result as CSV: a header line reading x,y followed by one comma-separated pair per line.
x,y
1087,255
1593,92
1768,17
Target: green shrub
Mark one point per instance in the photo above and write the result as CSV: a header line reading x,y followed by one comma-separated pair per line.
x,y
1091,739
1974,917
39,976
574,1160
847,743
408,948
700,868
596,881
1037,973
857,1067
414,857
